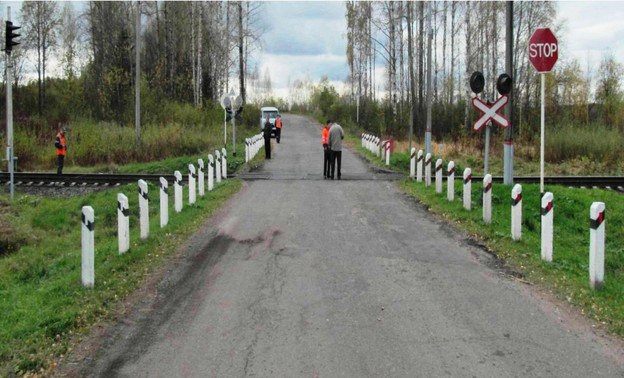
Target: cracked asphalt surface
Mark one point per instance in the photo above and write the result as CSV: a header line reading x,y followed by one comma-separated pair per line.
x,y
315,278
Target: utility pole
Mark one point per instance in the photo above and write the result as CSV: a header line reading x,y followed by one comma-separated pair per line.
x,y
508,146
137,80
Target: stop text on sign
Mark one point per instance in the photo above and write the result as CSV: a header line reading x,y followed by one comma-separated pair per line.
x,y
542,50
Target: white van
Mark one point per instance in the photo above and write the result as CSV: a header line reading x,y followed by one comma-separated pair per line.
x,y
272,113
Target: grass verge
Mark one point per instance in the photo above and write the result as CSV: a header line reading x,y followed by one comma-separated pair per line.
x,y
42,303
568,275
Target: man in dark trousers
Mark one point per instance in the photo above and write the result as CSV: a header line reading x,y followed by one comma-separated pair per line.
x,y
267,138
325,141
61,149
336,135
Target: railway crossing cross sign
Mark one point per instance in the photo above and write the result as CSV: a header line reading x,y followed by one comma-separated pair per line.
x,y
490,112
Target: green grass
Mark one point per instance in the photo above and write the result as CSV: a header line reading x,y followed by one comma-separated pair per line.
x,y
42,303
568,275
183,130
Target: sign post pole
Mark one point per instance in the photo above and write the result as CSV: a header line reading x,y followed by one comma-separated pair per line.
x,y
542,137
543,54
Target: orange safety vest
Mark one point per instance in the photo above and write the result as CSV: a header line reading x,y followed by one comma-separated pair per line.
x,y
325,135
278,123
61,151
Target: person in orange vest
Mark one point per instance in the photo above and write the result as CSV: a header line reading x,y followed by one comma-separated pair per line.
x,y
325,139
61,148
278,128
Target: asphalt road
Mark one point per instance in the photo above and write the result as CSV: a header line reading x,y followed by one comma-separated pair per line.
x,y
304,277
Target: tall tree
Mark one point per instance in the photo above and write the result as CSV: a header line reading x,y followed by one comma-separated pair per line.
x,y
608,91
41,21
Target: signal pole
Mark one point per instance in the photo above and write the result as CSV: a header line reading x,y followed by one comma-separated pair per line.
x,y
137,80
9,96
508,147
429,100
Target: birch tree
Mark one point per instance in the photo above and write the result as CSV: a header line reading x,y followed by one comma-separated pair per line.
x,y
41,21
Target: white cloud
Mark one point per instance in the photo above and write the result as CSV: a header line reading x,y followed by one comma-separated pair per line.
x,y
592,29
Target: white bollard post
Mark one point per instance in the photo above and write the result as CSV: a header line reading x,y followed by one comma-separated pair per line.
x,y
413,163
428,170
143,209
450,181
487,199
547,226
218,166
88,247
177,191
383,150
419,166
377,146
210,172
363,135
200,177
123,223
596,245
516,212
467,188
191,186
246,150
223,163
387,153
164,202
438,175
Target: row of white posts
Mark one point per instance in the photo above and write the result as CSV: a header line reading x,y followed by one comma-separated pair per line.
x,y
597,211
252,146
371,143
217,170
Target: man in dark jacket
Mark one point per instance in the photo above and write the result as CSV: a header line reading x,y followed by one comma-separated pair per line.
x,y
268,128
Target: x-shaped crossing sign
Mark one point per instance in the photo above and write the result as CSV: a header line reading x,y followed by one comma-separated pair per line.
x,y
490,112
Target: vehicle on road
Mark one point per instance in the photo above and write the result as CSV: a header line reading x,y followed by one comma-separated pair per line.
x,y
272,113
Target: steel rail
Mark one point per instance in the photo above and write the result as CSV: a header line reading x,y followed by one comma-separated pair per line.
x,y
112,179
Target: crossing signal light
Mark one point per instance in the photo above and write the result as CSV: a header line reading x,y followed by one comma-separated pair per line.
x,y
503,84
9,35
477,82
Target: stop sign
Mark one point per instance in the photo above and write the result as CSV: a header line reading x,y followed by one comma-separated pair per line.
x,y
543,50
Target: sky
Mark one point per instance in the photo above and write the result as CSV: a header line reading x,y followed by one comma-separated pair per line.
x,y
307,39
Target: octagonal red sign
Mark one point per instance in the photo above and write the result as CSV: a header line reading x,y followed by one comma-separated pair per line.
x,y
543,50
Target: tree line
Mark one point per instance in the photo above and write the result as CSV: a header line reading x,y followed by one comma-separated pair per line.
x,y
188,53
391,37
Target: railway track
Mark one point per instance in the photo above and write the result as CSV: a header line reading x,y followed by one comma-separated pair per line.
x,y
108,179
81,179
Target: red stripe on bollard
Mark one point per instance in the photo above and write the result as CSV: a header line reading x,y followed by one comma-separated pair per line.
x,y
595,223
546,210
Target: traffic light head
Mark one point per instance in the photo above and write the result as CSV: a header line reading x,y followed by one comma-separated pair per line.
x,y
503,84
9,36
477,82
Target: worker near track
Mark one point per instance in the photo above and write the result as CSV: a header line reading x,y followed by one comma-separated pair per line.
x,y
326,154
267,138
336,135
278,128
61,149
